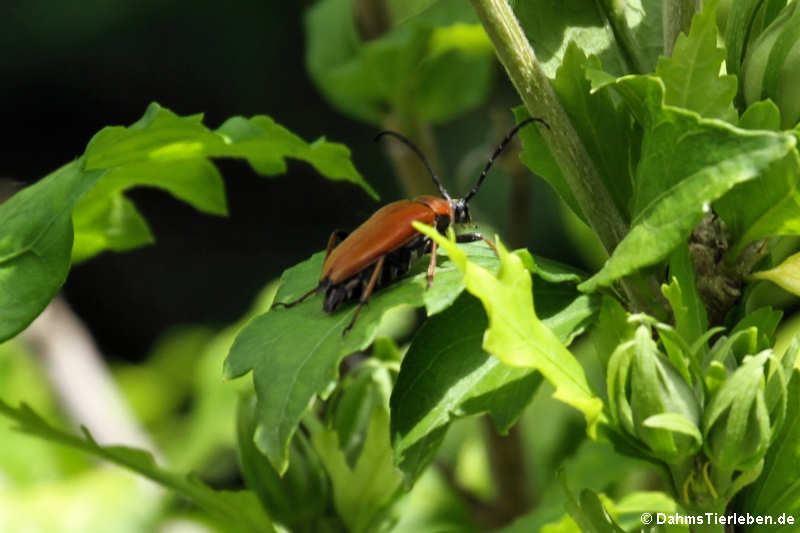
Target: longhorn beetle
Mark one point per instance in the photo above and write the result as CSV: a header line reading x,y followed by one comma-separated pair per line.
x,y
386,246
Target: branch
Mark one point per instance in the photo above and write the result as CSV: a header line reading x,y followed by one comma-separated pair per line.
x,y
519,60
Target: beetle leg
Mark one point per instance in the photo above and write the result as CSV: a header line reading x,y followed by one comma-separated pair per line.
x,y
295,302
472,237
338,234
432,265
376,273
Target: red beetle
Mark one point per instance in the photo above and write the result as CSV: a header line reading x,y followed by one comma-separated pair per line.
x,y
386,246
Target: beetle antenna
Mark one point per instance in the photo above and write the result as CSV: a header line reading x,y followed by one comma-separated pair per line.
x,y
419,153
500,149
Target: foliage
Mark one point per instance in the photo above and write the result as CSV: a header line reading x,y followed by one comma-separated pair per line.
x,y
681,156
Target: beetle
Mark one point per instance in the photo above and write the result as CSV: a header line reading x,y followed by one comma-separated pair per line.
x,y
386,246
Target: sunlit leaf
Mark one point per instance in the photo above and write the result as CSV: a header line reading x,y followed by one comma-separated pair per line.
x,y
786,275
687,162
516,335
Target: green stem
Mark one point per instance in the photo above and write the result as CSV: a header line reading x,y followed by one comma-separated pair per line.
x,y
563,142
519,60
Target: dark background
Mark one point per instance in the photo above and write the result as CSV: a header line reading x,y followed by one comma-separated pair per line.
x,y
69,69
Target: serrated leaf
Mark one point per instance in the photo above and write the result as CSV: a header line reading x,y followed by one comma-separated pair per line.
x,y
35,244
363,492
295,353
688,310
785,275
240,511
687,162
161,136
446,374
692,75
516,335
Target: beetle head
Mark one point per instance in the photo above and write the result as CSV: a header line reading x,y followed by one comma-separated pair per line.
x,y
460,211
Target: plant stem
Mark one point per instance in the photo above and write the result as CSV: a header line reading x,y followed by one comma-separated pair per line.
x,y
519,60
507,462
577,167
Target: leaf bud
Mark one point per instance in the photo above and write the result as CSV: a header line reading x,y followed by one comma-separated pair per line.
x,y
651,401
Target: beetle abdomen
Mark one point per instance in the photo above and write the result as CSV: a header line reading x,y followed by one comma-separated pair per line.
x,y
397,263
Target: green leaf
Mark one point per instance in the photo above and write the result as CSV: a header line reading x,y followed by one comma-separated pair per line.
x,y
297,499
692,75
295,353
361,494
455,75
589,513
763,115
638,29
777,489
765,320
240,511
516,335
687,162
161,136
105,220
611,330
446,374
736,422
767,206
537,157
35,244
550,27
170,152
745,21
115,224
785,275
434,65
688,310
674,422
